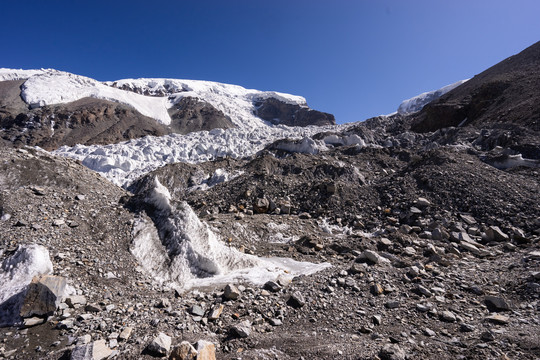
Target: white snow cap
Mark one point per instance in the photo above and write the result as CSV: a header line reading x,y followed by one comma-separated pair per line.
x,y
151,97
418,102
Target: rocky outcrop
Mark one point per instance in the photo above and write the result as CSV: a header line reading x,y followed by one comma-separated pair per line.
x,y
508,93
279,112
191,114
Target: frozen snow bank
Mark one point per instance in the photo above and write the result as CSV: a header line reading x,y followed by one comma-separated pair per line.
x,y
181,251
16,272
418,102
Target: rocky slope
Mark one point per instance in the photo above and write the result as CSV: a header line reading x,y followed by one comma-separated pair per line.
x,y
49,108
374,241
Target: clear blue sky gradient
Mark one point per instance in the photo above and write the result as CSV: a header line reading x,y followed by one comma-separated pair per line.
x,y
355,59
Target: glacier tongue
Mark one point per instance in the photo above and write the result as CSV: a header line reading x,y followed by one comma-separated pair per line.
x,y
181,251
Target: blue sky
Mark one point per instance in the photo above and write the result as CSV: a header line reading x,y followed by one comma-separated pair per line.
x,y
355,59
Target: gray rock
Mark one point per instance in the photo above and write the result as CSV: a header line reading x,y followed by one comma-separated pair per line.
x,y
43,296
376,319
231,292
272,286
242,329
76,300
391,352
296,300
498,319
429,332
96,350
163,303
125,333
160,345
494,233
466,328
447,316
372,256
496,304
33,321
197,310
423,291
392,304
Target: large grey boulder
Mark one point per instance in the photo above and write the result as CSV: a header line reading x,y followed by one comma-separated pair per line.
x,y
43,296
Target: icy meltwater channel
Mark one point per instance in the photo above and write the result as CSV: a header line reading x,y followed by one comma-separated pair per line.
x,y
180,251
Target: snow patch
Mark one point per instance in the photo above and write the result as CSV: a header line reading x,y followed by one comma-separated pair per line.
x,y
418,102
18,74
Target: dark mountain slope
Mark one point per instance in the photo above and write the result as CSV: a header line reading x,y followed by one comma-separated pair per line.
x,y
507,95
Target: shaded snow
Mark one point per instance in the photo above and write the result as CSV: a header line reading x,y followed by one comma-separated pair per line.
x,y
16,272
418,102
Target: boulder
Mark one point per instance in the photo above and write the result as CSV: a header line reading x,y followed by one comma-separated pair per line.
x,y
43,296
160,345
206,350
96,350
184,351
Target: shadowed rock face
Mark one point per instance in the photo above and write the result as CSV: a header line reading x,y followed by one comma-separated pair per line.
x,y
278,112
191,114
507,93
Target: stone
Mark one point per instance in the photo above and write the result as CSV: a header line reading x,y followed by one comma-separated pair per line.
x,y
391,352
231,292
216,311
33,321
197,310
242,329
184,351
447,316
469,220
423,291
392,304
466,328
487,336
496,304
376,319
43,296
261,206
125,333
494,233
429,332
272,286
96,350
163,303
498,319
206,350
296,300
469,247
83,340
92,308
376,289
275,322
160,345
422,202
371,256
75,300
